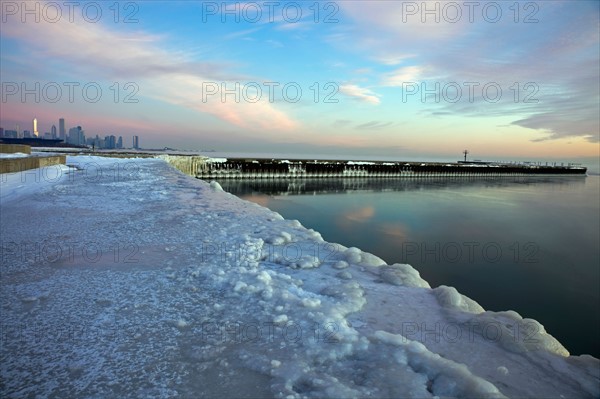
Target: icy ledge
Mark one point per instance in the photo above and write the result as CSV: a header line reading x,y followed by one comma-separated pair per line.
x,y
228,299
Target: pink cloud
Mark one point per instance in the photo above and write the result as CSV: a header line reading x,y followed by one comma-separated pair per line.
x,y
92,51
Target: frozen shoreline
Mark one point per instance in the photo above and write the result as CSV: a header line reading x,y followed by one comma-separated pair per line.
x,y
139,280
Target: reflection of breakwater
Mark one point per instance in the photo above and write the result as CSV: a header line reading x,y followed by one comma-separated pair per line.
x,y
350,185
218,169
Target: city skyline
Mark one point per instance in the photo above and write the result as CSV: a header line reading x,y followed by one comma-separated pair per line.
x,y
348,78
74,135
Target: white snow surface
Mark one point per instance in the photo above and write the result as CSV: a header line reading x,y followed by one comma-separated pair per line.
x,y
127,278
13,155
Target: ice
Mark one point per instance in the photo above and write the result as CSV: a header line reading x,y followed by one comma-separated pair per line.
x,y
449,297
404,275
196,293
14,185
216,186
448,379
14,155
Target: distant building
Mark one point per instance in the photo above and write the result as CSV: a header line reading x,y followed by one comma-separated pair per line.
x,y
35,128
62,134
136,142
1,132
110,142
53,132
26,134
120,142
76,136
98,142
10,134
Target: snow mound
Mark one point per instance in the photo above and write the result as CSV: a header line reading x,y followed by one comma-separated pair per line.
x,y
445,377
449,297
216,186
358,257
401,274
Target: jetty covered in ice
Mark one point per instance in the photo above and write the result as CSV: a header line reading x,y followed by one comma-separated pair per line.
x,y
250,168
127,278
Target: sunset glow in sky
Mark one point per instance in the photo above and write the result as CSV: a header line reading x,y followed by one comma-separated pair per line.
x,y
371,78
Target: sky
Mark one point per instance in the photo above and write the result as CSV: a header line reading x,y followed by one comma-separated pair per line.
x,y
374,79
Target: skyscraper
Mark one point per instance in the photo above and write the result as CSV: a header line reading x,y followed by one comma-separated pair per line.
x,y
61,129
136,142
120,142
110,142
53,131
76,136
35,130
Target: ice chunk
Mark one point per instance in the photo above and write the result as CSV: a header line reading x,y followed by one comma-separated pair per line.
x,y
216,186
295,223
344,275
311,302
353,255
276,240
308,262
401,274
449,297
342,264
181,323
264,277
239,286
286,236
358,257
447,378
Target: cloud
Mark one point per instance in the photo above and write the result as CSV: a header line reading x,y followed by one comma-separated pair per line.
x,y
274,43
359,93
92,52
372,125
242,34
393,59
559,54
402,75
342,122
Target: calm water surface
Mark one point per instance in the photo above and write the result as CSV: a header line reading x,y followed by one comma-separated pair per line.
x,y
526,244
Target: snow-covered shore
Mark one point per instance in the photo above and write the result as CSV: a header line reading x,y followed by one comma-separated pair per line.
x,y
128,278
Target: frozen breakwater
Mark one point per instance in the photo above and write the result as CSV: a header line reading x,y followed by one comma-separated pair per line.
x,y
127,278
248,168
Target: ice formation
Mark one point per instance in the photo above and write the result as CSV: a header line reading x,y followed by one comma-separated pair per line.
x,y
140,281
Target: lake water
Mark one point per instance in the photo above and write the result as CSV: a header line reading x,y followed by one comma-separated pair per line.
x,y
526,244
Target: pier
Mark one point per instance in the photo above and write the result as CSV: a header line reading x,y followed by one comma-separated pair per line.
x,y
221,168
